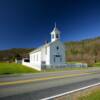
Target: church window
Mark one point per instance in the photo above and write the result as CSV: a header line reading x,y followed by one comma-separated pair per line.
x,y
54,58
57,36
37,57
57,55
60,59
57,47
45,50
34,57
52,35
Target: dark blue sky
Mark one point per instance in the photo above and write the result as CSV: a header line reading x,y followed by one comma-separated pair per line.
x,y
27,23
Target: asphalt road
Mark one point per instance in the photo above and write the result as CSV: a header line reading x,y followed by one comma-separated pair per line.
x,y
38,86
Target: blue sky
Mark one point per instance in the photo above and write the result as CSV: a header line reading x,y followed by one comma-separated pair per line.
x,y
28,23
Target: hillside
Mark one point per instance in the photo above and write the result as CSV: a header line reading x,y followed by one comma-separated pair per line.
x,y
11,54
82,51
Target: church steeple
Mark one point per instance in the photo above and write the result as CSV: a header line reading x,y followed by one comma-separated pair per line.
x,y
55,34
55,24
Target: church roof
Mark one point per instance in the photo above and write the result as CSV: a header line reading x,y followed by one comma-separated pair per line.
x,y
45,45
55,30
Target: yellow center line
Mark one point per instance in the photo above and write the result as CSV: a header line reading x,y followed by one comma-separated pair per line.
x,y
39,79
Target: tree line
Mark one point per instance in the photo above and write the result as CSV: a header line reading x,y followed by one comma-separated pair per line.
x,y
15,53
86,51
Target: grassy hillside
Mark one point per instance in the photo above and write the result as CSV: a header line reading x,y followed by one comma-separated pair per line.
x,y
12,68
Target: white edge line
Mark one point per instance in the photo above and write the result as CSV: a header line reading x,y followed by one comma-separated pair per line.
x,y
65,93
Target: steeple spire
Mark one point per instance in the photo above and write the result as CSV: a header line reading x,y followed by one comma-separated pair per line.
x,y
55,34
55,24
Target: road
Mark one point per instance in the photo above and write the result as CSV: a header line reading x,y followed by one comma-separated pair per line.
x,y
41,85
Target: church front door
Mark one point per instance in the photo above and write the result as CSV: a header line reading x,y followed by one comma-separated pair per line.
x,y
57,58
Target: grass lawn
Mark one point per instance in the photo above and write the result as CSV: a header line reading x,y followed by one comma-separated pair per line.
x,y
94,95
12,68
96,64
73,62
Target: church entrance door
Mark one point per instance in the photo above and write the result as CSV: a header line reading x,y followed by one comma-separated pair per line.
x,y
57,58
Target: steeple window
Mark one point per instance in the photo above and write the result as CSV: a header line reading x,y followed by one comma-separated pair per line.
x,y
57,36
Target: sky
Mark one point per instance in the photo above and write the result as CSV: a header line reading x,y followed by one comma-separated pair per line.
x,y
28,23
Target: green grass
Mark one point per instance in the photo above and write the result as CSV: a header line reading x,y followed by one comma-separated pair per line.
x,y
12,68
73,62
94,95
96,64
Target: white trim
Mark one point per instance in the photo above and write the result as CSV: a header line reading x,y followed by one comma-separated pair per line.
x,y
76,90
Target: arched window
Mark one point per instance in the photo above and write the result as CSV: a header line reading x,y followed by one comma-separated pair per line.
x,y
37,57
33,57
60,59
57,47
54,59
52,36
45,50
57,36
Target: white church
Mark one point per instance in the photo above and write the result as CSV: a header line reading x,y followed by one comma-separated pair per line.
x,y
50,55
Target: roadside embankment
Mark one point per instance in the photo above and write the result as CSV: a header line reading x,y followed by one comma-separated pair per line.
x,y
91,92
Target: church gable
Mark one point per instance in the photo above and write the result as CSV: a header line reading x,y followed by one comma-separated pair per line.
x,y
57,44
57,53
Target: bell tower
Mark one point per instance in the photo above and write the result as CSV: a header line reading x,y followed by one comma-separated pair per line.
x,y
55,34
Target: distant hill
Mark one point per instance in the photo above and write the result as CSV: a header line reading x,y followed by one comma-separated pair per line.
x,y
11,54
81,51
84,51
